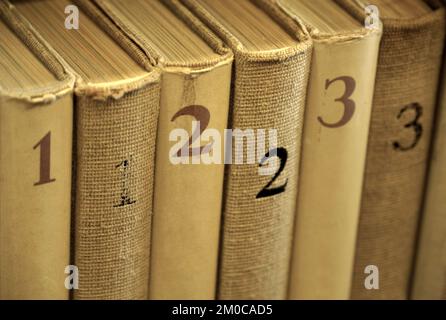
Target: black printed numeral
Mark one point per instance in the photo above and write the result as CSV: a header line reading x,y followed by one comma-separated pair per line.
x,y
125,168
282,154
414,125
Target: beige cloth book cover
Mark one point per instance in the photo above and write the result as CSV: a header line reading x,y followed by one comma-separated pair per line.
x,y
430,268
36,116
404,102
117,103
336,127
272,59
196,77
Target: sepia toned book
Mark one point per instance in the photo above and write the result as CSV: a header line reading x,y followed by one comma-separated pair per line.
x,y
336,127
116,115
430,268
272,59
36,116
400,136
195,87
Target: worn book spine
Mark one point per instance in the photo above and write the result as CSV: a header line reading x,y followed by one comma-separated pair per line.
x,y
269,90
35,179
116,135
188,197
114,186
337,120
430,270
188,188
402,116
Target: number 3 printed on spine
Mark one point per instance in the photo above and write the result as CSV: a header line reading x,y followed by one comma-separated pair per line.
x,y
349,104
414,124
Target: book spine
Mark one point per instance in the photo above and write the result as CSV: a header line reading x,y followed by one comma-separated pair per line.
x,y
35,198
336,128
268,95
258,218
430,275
189,165
188,192
35,178
114,190
402,116
116,126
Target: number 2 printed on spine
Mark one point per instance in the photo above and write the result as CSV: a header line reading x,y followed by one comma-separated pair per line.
x,y
282,154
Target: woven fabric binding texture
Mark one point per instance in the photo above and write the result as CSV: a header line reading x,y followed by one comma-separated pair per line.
x,y
405,94
269,91
257,233
115,162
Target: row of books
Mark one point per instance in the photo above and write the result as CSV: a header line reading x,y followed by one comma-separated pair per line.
x,y
114,118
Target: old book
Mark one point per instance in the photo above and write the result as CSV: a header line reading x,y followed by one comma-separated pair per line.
x,y
404,102
117,103
36,116
195,87
430,269
336,127
272,58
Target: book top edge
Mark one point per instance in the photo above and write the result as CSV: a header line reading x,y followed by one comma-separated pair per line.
x,y
292,26
223,53
335,37
67,79
357,9
64,80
